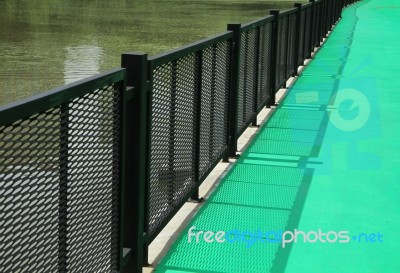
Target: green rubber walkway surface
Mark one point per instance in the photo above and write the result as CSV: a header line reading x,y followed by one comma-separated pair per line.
x,y
326,163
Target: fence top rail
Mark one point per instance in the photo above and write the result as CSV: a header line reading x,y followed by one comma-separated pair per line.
x,y
29,106
257,23
178,53
288,12
306,6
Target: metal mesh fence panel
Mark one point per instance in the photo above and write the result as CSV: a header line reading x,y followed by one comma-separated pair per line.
x,y
93,182
59,184
172,137
247,78
180,138
264,64
214,104
29,181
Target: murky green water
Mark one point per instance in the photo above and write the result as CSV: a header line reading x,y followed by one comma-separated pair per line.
x,y
47,43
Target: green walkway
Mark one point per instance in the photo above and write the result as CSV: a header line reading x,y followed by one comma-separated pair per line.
x,y
327,160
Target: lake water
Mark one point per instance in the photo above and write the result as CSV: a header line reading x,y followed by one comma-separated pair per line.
x,y
47,43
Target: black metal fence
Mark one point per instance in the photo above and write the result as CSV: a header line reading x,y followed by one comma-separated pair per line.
x,y
91,172
60,179
188,123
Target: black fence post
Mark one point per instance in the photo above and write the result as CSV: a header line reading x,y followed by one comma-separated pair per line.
x,y
330,9
134,141
324,19
338,10
255,87
342,5
172,122
297,39
63,190
332,14
312,28
274,56
318,27
327,18
234,88
198,85
286,50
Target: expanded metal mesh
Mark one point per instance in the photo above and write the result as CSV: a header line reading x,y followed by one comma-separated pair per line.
x,y
59,185
247,78
264,64
177,141
214,104
93,181
173,137
29,182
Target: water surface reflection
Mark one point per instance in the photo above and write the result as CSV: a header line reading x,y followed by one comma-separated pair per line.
x,y
82,62
46,43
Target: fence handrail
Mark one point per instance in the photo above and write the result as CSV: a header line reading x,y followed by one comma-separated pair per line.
x,y
287,12
257,23
177,53
306,5
25,107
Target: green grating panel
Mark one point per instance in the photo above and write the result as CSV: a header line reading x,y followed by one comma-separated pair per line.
x,y
315,84
239,256
311,96
308,88
268,162
321,70
289,135
299,114
305,124
221,258
266,175
335,57
254,194
320,63
308,97
282,147
324,67
216,216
